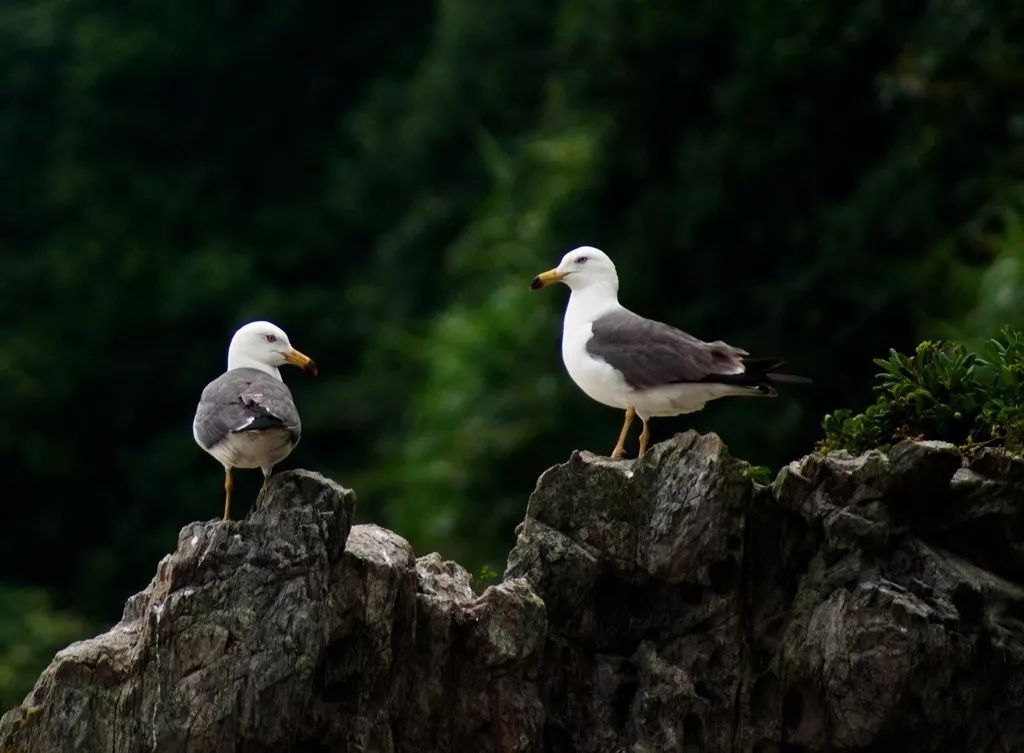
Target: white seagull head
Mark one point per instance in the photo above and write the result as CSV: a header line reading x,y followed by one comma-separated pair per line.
x,y
581,268
265,346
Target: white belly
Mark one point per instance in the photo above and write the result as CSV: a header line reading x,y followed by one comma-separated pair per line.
x,y
253,449
595,377
676,399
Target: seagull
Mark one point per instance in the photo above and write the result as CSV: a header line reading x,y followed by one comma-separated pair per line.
x,y
644,367
246,417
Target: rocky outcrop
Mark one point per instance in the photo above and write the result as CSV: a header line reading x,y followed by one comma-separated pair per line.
x,y
292,631
868,603
666,604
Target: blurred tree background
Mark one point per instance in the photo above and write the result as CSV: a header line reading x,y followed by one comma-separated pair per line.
x,y
819,180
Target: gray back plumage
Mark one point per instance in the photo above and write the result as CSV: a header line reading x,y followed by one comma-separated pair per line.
x,y
650,354
244,400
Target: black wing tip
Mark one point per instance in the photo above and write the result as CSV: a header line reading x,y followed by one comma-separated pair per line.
x,y
759,373
764,370
787,378
261,423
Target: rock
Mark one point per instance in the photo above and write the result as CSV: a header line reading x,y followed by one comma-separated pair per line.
x,y
840,609
286,631
664,604
922,470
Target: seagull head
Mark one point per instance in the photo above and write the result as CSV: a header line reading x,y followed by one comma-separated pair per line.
x,y
265,346
581,268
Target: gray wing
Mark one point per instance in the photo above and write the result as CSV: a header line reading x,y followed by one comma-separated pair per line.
x,y
651,354
244,400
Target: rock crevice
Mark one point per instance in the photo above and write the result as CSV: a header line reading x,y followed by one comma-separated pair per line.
x,y
666,604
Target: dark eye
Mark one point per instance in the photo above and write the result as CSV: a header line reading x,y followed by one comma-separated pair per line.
x,y
581,260
271,338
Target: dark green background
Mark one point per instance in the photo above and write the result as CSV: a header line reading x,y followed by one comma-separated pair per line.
x,y
819,180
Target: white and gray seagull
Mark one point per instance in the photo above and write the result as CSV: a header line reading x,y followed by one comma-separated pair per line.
x,y
641,366
246,417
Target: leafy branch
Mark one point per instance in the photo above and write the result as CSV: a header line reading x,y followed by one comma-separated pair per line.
x,y
942,391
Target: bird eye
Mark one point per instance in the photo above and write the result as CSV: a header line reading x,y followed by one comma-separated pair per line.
x,y
581,260
271,338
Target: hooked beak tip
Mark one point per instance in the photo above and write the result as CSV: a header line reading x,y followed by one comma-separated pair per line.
x,y
304,362
546,278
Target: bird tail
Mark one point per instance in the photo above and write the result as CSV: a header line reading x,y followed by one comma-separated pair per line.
x,y
759,374
762,372
777,378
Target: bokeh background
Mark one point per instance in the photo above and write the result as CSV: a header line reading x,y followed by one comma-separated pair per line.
x,y
816,179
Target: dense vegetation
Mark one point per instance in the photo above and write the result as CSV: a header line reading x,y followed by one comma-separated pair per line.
x,y
942,391
820,180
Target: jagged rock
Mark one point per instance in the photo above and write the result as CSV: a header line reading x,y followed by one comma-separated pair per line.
x,y
690,609
288,632
665,604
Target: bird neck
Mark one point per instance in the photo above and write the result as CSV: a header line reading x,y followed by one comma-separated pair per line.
x,y
589,303
242,361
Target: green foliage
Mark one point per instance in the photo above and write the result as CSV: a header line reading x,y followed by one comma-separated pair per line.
x,y
811,180
31,631
485,577
944,392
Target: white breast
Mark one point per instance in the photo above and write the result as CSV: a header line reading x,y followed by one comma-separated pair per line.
x,y
594,376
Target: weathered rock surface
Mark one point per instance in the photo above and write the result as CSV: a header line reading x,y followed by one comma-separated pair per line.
x,y
868,603
291,631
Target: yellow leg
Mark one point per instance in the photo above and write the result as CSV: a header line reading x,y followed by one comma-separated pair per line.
x,y
228,485
645,437
620,446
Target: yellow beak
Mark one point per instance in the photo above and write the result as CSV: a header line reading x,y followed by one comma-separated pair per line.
x,y
546,278
304,362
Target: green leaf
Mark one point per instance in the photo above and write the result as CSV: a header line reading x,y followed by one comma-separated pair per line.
x,y
942,392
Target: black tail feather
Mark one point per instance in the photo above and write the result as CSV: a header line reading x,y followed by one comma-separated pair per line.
x,y
763,370
760,373
777,378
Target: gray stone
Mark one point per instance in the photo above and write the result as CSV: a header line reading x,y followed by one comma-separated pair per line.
x,y
286,631
662,604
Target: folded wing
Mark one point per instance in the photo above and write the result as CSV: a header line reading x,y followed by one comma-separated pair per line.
x,y
243,400
651,354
